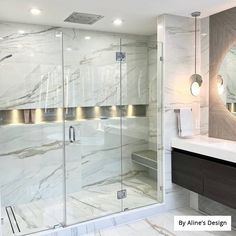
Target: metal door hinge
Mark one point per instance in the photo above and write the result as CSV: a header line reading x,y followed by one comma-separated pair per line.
x,y
120,56
161,59
122,194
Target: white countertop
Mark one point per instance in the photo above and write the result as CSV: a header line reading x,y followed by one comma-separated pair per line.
x,y
217,148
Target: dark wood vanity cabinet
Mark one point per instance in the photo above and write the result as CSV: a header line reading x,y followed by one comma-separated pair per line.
x,y
210,177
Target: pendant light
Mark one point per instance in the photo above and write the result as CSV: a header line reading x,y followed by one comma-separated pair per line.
x,y
196,79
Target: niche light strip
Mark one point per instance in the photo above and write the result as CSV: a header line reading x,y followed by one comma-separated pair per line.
x,y
42,115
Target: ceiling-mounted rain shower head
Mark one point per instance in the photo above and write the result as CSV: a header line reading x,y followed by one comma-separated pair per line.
x,y
83,18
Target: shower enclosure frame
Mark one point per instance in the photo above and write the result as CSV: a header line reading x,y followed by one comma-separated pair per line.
x,y
160,160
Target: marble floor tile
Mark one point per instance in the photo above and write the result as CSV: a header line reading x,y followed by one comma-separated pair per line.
x,y
160,224
91,202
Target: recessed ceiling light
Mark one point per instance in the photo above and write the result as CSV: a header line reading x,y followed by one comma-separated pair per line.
x,y
117,22
21,31
35,11
1,38
69,49
87,37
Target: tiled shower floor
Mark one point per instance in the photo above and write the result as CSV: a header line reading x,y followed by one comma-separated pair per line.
x,y
89,203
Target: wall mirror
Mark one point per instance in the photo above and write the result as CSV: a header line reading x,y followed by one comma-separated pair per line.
x,y
226,80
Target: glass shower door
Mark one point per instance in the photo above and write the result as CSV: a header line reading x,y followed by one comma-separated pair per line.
x,y
93,158
141,128
31,173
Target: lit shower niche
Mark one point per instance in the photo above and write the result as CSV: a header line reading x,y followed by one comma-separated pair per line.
x,y
39,116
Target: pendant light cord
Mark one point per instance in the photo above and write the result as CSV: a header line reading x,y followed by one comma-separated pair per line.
x,y
195,44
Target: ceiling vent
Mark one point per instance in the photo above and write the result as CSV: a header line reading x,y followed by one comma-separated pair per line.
x,y
83,18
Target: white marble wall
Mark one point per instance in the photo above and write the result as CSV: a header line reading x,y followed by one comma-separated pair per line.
x,y
31,160
177,35
204,96
153,95
34,71
32,78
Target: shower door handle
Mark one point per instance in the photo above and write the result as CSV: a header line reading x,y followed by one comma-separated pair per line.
x,y
71,134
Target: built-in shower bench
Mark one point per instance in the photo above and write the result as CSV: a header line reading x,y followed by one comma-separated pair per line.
x,y
147,158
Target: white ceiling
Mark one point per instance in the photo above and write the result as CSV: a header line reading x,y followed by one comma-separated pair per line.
x,y
139,15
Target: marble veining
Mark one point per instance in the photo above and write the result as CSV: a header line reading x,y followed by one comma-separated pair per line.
x,y
39,148
89,203
90,67
221,121
32,157
178,51
157,225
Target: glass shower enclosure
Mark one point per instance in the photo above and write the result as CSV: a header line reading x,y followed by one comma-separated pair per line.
x,y
80,124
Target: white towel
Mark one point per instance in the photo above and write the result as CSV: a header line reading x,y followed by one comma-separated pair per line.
x,y
185,122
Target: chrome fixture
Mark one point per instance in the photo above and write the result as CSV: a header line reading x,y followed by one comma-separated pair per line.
x,y
120,56
196,79
71,134
83,18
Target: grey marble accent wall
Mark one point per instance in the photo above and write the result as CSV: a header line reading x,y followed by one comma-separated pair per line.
x,y
222,124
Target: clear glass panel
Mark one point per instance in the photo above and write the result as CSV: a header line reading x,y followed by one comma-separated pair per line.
x,y
31,174
141,122
159,125
93,158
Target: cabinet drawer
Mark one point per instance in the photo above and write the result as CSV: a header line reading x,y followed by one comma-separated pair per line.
x,y
220,183
210,177
186,171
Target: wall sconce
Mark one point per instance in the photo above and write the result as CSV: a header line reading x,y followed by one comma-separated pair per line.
x,y
196,79
220,84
